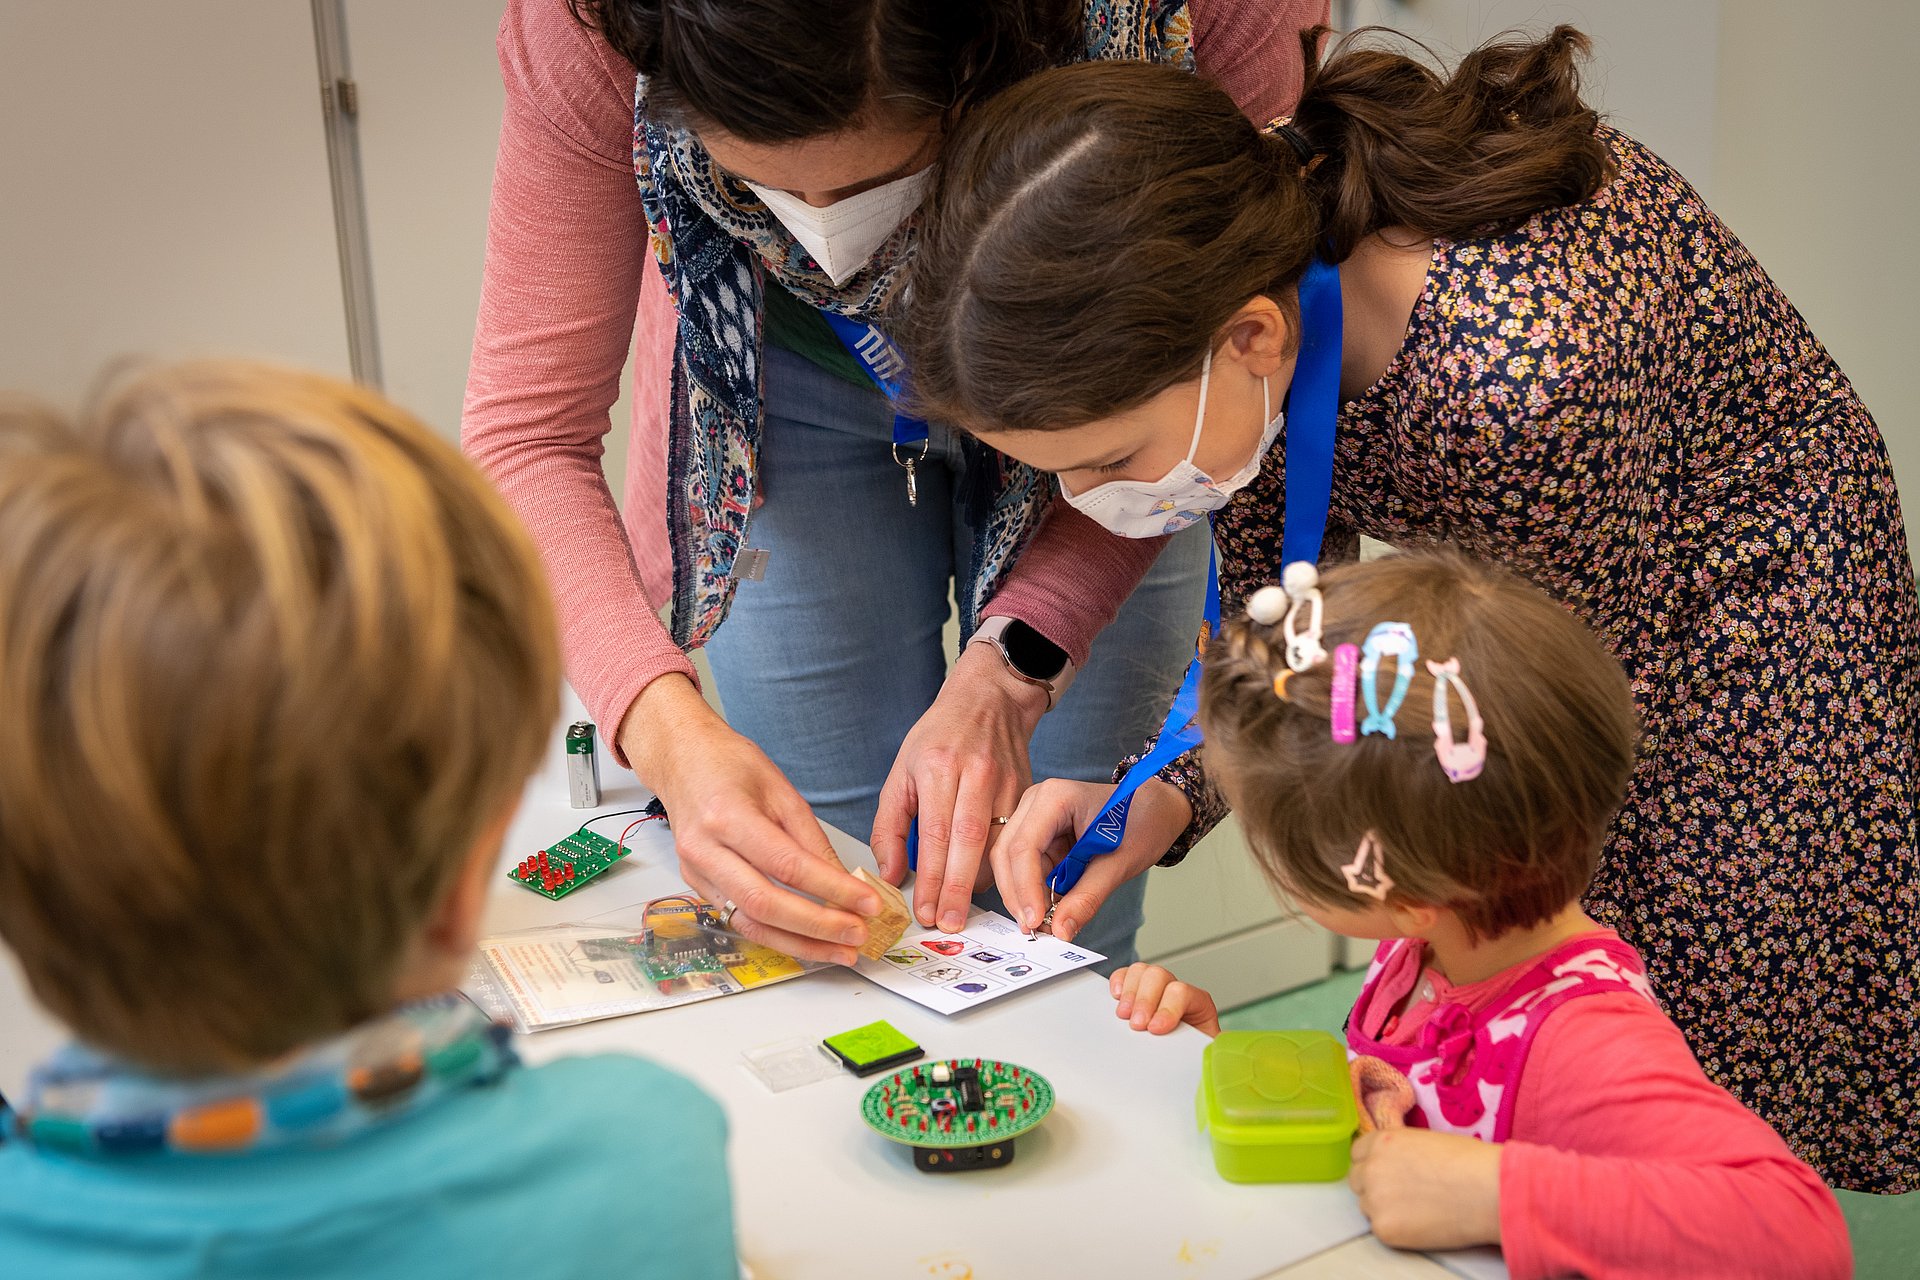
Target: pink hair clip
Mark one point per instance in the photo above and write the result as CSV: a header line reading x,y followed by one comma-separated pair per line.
x,y
1367,873
1346,670
1462,761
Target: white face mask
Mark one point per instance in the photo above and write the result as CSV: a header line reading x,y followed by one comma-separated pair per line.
x,y
843,235
1183,496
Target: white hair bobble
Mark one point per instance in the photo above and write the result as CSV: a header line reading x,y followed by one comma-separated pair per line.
x,y
1268,606
1302,581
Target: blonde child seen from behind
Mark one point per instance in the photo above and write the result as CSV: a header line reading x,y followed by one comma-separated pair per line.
x,y
1439,776
276,664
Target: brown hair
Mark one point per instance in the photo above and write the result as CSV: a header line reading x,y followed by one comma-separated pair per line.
x,y
771,71
272,657
1505,850
1095,227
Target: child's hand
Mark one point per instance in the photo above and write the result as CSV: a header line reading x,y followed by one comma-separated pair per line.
x,y
1427,1190
1151,1000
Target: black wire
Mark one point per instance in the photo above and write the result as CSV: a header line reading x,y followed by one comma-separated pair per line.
x,y
618,814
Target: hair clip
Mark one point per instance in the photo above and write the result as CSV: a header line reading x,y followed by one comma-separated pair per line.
x,y
1387,639
1302,581
1267,605
1280,684
1367,873
1346,667
1461,760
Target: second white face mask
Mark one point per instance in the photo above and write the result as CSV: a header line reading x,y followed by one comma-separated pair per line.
x,y
842,236
1185,495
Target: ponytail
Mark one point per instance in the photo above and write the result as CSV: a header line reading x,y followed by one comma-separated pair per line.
x,y
1094,228
1506,136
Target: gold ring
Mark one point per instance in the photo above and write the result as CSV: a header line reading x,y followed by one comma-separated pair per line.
x,y
1001,822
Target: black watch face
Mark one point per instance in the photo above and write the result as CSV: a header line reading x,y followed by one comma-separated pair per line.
x,y
1032,654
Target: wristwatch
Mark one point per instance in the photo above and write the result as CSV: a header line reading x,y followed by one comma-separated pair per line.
x,y
1029,655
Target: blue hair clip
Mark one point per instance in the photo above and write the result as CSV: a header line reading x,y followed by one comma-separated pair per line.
x,y
1387,639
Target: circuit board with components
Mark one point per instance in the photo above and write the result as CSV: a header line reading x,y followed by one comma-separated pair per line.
x,y
958,1114
566,864
683,950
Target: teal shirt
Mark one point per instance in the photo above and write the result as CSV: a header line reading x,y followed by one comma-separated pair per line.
x,y
586,1167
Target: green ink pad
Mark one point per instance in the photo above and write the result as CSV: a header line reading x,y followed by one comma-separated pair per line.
x,y
871,1049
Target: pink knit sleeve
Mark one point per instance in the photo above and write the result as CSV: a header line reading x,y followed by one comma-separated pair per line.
x,y
1627,1162
1253,50
1072,580
566,257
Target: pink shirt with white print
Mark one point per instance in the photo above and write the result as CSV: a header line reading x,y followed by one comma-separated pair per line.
x,y
1621,1159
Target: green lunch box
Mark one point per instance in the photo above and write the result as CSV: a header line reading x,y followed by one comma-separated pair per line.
x,y
1278,1106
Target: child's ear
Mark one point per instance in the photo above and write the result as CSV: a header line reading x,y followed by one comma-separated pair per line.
x,y
454,927
1413,919
1260,337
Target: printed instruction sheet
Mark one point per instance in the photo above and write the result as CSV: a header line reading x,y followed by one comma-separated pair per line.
x,y
564,975
989,958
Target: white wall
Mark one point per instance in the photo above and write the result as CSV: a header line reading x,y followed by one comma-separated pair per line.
x,y
430,101
1818,171
163,191
1653,64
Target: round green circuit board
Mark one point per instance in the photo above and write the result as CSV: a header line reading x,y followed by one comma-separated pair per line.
x,y
908,1106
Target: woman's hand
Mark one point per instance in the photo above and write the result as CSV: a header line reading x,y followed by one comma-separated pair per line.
x,y
741,831
1153,1000
1050,818
1427,1190
964,764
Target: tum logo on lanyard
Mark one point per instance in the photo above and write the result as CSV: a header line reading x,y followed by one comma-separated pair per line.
x,y
1113,822
887,369
881,358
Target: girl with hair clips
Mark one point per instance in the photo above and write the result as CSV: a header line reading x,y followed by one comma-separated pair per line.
x,y
1440,777
1492,320
746,174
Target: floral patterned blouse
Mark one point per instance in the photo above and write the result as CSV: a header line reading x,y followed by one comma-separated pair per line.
x,y
1616,401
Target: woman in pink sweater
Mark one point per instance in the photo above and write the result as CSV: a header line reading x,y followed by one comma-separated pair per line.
x,y
1528,1090
772,158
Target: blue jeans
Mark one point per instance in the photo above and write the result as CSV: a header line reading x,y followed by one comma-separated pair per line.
x,y
829,662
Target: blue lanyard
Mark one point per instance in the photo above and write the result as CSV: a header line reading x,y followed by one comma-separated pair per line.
x,y
888,369
1313,408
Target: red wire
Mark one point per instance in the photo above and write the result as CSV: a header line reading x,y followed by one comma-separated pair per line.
x,y
621,844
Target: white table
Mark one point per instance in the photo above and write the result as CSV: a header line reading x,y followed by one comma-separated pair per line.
x,y
1117,1182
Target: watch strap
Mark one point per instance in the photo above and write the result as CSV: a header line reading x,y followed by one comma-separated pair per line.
x,y
993,631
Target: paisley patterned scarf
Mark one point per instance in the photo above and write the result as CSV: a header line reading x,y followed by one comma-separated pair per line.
x,y
716,242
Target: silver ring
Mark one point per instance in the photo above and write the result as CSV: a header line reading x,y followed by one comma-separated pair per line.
x,y
726,913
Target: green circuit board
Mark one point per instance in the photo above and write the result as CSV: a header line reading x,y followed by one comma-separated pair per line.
x,y
1000,1102
566,864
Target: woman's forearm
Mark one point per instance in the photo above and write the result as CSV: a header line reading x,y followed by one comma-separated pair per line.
x,y
1072,580
566,255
